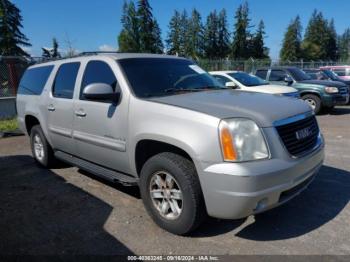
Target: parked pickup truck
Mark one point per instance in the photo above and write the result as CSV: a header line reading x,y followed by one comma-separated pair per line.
x,y
194,147
319,94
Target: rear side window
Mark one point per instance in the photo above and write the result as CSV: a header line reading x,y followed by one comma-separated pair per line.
x,y
98,72
66,76
261,73
222,79
34,80
277,75
340,72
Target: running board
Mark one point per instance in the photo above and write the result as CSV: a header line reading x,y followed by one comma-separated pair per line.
x,y
97,170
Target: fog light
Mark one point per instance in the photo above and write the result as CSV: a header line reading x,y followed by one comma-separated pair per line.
x,y
261,205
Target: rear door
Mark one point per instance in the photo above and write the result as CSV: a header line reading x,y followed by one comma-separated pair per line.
x,y
100,127
61,107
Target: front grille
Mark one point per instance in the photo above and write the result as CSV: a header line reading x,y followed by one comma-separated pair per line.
x,y
343,90
299,137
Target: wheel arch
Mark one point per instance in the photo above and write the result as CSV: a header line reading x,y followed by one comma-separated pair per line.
x,y
147,147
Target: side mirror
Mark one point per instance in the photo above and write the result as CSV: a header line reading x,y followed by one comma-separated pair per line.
x,y
231,85
288,80
100,92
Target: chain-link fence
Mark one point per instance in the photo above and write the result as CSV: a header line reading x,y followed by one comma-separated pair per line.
x,y
251,65
11,71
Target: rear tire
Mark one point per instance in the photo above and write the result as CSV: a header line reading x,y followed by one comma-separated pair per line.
x,y
41,149
171,193
314,102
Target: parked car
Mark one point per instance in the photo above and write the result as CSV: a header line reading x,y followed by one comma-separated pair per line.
x,y
194,147
342,71
325,74
246,82
319,94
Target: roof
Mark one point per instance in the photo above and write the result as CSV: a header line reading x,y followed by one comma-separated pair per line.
x,y
336,67
113,55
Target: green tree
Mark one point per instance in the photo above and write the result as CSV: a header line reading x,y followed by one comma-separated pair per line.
x,y
332,45
173,41
185,45
128,39
344,45
149,31
241,35
223,35
211,36
51,52
11,37
291,46
316,39
195,35
258,47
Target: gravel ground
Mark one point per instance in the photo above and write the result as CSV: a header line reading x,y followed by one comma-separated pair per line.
x,y
67,211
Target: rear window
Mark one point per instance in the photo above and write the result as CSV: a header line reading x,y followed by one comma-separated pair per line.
x,y
34,80
64,84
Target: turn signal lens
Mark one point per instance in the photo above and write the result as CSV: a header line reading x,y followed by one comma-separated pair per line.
x,y
228,150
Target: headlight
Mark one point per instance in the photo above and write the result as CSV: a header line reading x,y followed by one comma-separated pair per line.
x,y
241,140
331,89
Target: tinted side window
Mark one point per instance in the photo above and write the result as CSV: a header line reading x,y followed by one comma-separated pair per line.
x,y
221,79
277,75
34,80
98,72
66,76
340,72
261,73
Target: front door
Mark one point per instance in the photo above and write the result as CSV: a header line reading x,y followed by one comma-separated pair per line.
x,y
100,127
61,107
277,77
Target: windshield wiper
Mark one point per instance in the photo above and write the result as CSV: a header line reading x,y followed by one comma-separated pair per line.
x,y
175,90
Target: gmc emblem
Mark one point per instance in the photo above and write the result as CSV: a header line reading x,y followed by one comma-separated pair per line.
x,y
303,133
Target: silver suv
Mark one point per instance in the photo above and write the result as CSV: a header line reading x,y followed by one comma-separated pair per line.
x,y
194,147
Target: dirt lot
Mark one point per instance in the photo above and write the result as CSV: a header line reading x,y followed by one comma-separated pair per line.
x,y
67,211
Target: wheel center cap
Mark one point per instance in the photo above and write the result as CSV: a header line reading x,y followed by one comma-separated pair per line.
x,y
167,193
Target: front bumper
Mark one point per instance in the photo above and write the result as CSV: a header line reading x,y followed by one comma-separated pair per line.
x,y
237,190
336,99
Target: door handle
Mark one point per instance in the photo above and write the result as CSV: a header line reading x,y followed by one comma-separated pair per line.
x,y
51,108
80,113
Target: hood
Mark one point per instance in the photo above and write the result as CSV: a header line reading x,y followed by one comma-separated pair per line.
x,y
271,89
324,83
345,81
264,109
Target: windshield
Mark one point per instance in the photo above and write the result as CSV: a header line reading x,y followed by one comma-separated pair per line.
x,y
248,80
298,74
150,77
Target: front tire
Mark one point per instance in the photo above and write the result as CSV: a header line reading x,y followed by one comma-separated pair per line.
x,y
41,149
171,193
313,101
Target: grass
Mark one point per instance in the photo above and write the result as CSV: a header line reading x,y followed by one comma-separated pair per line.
x,y
8,124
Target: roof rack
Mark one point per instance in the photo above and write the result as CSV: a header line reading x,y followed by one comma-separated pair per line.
x,y
98,52
90,53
